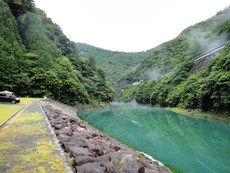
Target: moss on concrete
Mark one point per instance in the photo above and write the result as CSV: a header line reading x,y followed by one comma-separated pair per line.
x,y
26,146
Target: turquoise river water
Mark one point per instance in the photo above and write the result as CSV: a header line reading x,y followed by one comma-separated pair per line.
x,y
182,143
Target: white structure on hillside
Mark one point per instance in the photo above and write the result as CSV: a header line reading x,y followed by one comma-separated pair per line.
x,y
137,83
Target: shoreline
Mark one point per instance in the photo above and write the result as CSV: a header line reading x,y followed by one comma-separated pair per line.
x,y
197,113
80,107
92,150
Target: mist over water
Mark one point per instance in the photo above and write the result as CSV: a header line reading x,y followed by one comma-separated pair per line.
x,y
183,143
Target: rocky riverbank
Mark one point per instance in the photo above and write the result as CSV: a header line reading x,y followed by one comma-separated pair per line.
x,y
93,151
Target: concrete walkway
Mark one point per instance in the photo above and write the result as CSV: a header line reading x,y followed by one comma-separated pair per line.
x,y
28,144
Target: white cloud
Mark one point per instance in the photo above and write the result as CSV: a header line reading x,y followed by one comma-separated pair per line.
x,y
127,25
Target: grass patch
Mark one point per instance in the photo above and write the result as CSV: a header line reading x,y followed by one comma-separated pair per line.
x,y
26,100
7,110
198,113
70,159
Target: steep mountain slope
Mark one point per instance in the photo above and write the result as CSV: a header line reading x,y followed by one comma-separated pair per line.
x,y
193,41
115,64
100,55
206,87
37,59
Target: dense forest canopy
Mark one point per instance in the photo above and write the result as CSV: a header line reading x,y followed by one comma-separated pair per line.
x,y
193,41
114,64
206,88
154,63
37,59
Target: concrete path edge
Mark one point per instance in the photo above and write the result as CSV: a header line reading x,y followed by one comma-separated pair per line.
x,y
4,122
56,141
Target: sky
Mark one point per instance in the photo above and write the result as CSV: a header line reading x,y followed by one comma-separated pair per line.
x,y
127,25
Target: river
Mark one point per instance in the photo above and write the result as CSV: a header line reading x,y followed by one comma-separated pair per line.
x,y
182,143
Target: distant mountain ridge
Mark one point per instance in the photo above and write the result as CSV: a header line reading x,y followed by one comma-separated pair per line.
x,y
99,54
114,63
191,71
152,64
193,41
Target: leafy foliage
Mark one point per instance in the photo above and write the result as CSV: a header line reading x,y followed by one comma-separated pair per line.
x,y
129,94
20,7
193,41
37,59
115,64
209,88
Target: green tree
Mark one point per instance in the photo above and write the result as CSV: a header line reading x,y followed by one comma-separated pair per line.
x,y
20,7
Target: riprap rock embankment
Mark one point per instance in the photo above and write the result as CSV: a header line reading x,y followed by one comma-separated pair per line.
x,y
93,151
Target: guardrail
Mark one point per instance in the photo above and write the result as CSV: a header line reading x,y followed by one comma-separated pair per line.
x,y
210,53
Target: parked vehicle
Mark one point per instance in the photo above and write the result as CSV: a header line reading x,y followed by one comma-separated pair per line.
x,y
6,96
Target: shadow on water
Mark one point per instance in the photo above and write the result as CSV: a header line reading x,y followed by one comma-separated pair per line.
x,y
183,143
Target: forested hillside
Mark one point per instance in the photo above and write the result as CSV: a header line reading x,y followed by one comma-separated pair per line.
x,y
115,64
208,88
37,59
193,41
